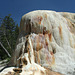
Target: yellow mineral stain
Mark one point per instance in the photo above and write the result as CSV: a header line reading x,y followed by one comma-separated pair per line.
x,y
71,43
74,45
53,60
45,16
38,57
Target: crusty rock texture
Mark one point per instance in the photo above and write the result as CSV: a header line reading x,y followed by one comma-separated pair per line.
x,y
46,44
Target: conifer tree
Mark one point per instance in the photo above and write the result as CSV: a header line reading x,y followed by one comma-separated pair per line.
x,y
9,31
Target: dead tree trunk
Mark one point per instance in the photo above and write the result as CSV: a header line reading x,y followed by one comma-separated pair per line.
x,y
5,49
8,42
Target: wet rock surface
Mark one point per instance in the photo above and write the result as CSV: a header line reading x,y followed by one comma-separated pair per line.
x,y
46,44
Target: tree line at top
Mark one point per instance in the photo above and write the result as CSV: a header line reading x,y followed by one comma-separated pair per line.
x,y
9,31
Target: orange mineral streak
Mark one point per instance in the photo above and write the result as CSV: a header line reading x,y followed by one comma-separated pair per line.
x,y
51,53
60,31
49,72
38,19
50,37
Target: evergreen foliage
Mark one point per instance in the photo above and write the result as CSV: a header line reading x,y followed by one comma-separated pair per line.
x,y
9,31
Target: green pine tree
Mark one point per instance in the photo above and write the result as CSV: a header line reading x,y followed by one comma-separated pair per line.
x,y
9,31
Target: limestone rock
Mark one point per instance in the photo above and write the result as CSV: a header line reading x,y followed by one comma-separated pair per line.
x,y
46,43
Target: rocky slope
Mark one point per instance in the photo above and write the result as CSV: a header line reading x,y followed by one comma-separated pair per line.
x,y
46,44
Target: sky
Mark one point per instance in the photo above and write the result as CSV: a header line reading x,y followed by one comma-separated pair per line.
x,y
17,8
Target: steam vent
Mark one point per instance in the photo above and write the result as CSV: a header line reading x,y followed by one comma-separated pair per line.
x,y
45,46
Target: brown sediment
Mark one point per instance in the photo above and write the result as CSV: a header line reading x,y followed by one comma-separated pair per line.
x,y
50,37
51,52
44,30
60,31
37,46
34,56
46,42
